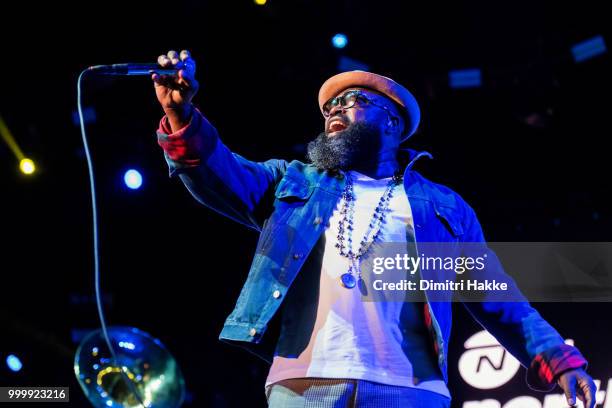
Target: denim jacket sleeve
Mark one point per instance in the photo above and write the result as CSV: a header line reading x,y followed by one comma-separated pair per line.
x,y
218,178
518,326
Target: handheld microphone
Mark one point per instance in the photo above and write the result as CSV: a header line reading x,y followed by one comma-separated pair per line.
x,y
132,69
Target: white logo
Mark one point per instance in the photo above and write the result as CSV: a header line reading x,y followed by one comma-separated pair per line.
x,y
486,364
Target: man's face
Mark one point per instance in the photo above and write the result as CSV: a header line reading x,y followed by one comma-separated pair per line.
x,y
354,136
370,113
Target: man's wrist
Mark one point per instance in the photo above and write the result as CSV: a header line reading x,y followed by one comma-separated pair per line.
x,y
179,117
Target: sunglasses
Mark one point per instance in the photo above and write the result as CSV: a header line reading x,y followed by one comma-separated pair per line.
x,y
348,100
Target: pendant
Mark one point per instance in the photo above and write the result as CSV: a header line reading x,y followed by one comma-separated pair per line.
x,y
348,280
362,287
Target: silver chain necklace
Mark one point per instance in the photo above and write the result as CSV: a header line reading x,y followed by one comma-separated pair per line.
x,y
347,212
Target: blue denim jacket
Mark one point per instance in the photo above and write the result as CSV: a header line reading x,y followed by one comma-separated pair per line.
x,y
289,204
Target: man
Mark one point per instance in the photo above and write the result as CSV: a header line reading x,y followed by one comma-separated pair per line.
x,y
319,223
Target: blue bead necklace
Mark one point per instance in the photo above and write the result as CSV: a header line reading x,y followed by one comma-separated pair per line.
x,y
347,212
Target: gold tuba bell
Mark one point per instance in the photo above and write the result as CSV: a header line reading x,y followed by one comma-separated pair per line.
x,y
143,374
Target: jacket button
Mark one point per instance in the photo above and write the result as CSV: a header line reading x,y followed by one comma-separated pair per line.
x,y
297,255
318,220
276,294
252,332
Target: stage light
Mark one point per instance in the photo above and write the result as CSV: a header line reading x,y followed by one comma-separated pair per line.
x,y
589,49
260,2
27,166
465,78
127,345
339,40
13,363
133,179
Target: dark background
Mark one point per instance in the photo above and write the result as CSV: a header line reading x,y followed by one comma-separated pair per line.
x,y
528,150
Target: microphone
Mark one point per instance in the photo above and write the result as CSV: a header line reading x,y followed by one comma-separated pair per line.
x,y
132,69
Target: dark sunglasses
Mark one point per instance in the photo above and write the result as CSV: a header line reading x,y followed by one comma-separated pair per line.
x,y
347,100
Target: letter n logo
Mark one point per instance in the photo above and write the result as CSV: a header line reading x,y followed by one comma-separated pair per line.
x,y
486,364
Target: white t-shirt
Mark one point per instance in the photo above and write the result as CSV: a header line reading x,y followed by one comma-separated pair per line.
x,y
352,338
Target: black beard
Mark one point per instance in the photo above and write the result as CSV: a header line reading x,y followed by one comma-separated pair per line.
x,y
353,147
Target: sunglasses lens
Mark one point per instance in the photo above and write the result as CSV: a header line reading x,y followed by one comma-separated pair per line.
x,y
350,98
329,105
347,100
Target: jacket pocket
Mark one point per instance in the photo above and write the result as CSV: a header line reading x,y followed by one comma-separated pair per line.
x,y
289,190
291,198
450,219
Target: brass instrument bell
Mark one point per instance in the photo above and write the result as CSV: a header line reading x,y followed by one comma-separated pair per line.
x,y
144,374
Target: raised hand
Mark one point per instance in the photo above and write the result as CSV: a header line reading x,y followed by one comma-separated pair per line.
x,y
175,92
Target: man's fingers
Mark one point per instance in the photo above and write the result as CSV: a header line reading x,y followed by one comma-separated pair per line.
x,y
172,55
184,79
163,60
157,79
190,66
162,80
570,390
187,82
588,390
172,58
188,62
168,81
184,61
186,75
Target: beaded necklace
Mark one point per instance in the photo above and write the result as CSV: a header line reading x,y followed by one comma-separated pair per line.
x,y
347,211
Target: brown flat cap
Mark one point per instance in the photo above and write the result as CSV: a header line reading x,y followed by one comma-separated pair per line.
x,y
386,86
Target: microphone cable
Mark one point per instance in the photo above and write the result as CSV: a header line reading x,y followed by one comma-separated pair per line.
x,y
96,252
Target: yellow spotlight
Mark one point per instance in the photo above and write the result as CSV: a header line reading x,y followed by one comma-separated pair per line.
x,y
261,2
27,166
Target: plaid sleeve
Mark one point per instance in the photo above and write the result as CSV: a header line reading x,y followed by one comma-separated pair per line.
x,y
188,146
547,366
